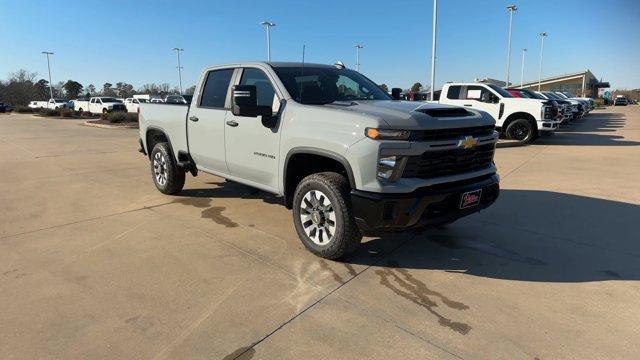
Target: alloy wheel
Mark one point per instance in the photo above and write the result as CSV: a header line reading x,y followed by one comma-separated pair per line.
x,y
318,217
160,168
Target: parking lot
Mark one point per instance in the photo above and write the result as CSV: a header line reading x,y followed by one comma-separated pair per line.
x,y
96,263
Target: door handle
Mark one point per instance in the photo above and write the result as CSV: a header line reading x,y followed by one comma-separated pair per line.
x,y
232,123
467,104
193,118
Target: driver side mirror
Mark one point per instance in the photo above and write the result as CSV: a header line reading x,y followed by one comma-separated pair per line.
x,y
395,93
245,101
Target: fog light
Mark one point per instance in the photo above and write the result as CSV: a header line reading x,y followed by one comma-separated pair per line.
x,y
390,167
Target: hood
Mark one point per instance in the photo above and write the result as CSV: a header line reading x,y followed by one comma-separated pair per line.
x,y
412,115
526,100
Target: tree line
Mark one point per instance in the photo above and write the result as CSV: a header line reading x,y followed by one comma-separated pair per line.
x,y
21,87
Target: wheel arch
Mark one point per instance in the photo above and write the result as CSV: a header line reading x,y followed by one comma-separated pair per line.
x,y
294,169
519,115
154,135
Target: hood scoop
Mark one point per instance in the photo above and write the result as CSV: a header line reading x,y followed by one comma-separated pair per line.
x,y
445,112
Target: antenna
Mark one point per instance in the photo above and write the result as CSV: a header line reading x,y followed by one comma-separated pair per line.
x,y
301,74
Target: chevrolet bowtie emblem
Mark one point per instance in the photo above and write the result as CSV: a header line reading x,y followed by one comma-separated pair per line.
x,y
468,142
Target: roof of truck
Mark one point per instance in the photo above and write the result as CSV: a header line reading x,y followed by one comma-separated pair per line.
x,y
276,64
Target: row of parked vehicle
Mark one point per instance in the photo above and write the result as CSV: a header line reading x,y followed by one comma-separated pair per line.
x,y
106,104
520,114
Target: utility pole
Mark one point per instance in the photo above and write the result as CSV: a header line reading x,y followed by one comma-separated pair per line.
x,y
358,47
268,25
49,68
433,48
511,9
522,71
178,50
542,36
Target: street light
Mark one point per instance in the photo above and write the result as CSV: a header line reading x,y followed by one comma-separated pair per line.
x,y
358,47
178,50
433,47
511,9
522,71
268,25
49,68
542,36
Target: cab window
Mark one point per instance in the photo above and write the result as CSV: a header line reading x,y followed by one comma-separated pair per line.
x,y
264,90
216,87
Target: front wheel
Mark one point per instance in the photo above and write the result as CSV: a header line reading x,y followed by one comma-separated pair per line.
x,y
323,217
104,111
167,176
521,130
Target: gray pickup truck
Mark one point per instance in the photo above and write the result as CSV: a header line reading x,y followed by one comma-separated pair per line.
x,y
346,156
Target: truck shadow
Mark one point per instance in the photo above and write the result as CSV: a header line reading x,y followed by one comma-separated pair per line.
x,y
593,130
230,189
526,236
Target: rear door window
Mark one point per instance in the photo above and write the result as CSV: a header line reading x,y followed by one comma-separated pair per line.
x,y
453,92
216,88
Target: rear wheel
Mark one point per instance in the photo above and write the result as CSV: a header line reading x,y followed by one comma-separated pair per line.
x,y
167,176
80,109
323,217
521,130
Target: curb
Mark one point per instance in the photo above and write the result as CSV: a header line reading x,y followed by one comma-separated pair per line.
x,y
105,126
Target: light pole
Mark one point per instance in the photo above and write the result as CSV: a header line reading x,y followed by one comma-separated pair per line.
x,y
268,25
542,36
49,68
433,48
511,9
178,50
358,47
522,71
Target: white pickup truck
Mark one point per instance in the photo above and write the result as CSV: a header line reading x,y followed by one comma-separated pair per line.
x,y
99,105
56,104
343,154
516,118
133,104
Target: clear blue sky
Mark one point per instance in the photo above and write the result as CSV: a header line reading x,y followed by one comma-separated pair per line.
x,y
131,41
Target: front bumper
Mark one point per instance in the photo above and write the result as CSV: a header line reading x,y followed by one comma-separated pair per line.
x,y
430,205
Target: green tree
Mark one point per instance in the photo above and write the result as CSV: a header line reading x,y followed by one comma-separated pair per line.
x,y
416,87
41,90
124,90
19,88
107,90
384,87
91,89
72,88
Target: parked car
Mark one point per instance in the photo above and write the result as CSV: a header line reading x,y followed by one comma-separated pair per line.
x,y
4,107
577,108
178,99
56,104
564,107
37,104
620,101
99,105
517,119
346,157
133,104
156,100
587,100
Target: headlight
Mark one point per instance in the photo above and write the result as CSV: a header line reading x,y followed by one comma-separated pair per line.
x,y
390,167
387,134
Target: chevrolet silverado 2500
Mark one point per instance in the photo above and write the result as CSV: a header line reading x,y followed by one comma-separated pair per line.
x,y
518,119
345,156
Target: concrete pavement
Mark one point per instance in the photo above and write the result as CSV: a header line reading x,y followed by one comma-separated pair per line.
x,y
96,263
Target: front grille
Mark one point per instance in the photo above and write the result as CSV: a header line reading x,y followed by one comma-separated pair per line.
x,y
451,134
433,164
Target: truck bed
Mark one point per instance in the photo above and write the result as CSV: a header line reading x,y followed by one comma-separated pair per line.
x,y
171,119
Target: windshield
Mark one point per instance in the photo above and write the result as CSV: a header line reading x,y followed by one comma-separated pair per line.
x,y
553,96
324,85
108,99
533,95
499,90
142,100
60,100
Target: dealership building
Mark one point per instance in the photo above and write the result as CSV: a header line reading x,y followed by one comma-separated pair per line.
x,y
582,83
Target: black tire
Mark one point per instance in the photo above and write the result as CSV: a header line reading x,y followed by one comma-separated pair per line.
x,y
104,111
172,179
346,236
80,110
521,130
